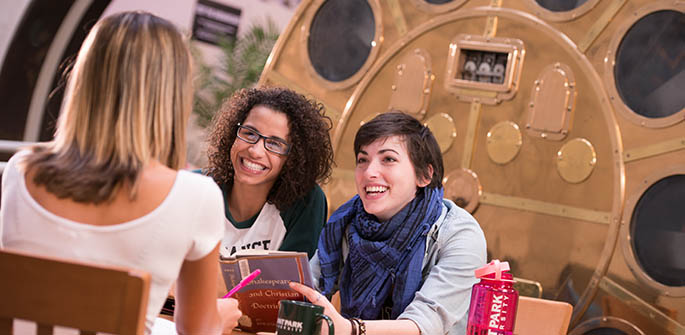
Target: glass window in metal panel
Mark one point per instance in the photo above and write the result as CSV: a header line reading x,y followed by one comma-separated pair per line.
x,y
658,231
560,5
340,38
484,66
650,67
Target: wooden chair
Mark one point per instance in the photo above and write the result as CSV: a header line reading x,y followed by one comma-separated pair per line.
x,y
540,316
53,292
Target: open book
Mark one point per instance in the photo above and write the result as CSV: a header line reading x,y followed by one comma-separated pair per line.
x,y
258,300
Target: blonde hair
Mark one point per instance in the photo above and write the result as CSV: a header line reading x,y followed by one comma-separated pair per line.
x,y
126,102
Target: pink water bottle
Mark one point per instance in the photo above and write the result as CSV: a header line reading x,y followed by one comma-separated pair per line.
x,y
493,301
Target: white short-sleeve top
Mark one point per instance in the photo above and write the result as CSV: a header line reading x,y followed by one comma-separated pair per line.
x,y
187,225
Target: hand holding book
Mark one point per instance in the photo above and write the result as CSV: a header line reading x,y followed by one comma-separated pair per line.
x,y
259,298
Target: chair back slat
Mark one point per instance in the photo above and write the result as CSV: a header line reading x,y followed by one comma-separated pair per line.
x,y
88,297
541,316
5,325
44,329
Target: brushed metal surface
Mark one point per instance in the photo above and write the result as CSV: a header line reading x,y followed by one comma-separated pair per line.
x,y
560,232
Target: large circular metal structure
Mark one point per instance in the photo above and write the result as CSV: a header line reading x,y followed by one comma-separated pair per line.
x,y
561,152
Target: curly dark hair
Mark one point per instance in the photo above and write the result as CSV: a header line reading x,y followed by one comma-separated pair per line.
x,y
311,155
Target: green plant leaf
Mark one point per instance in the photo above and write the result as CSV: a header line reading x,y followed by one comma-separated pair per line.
x,y
241,64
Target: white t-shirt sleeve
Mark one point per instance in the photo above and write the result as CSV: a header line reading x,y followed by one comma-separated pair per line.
x,y
209,218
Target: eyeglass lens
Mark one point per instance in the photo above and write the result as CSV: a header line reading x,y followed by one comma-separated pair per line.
x,y
252,136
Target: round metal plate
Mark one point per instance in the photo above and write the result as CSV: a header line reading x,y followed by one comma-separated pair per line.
x,y
504,142
575,160
442,126
463,187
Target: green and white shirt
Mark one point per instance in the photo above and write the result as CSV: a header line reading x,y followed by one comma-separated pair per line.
x,y
297,228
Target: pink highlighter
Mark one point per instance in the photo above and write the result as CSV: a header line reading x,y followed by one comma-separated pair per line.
x,y
243,282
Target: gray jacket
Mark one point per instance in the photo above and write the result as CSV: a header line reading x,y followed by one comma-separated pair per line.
x,y
455,248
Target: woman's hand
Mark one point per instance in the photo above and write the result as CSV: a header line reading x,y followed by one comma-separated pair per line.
x,y
342,325
229,312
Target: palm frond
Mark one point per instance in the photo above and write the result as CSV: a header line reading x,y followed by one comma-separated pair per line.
x,y
242,63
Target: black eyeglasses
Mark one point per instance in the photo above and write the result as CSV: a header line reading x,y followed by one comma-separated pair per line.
x,y
273,144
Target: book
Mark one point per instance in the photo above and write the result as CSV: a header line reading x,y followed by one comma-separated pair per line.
x,y
258,300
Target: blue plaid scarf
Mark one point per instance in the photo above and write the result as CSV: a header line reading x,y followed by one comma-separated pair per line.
x,y
385,257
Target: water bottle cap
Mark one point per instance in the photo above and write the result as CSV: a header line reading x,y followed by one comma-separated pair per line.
x,y
495,267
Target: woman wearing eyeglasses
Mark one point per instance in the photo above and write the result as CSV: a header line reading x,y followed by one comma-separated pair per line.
x,y
268,149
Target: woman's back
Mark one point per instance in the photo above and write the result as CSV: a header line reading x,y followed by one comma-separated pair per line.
x,y
153,186
105,189
185,224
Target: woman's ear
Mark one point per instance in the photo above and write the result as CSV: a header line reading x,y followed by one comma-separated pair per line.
x,y
423,181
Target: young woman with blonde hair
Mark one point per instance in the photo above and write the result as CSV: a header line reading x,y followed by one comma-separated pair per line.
x,y
107,189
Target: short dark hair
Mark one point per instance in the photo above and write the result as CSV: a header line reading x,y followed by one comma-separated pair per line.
x,y
421,145
311,155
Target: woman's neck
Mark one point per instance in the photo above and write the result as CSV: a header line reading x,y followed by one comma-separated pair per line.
x,y
246,201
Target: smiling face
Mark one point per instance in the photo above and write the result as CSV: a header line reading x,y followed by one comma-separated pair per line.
x,y
253,164
385,177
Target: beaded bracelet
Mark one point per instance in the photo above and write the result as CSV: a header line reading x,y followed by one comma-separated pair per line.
x,y
361,324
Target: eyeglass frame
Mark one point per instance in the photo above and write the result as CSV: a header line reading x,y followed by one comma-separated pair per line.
x,y
264,138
